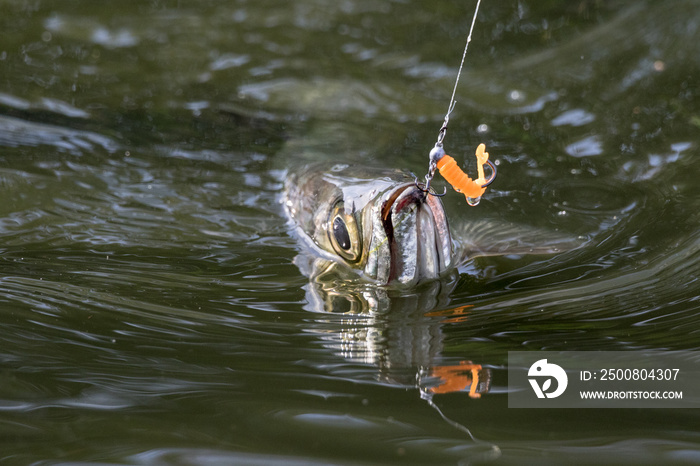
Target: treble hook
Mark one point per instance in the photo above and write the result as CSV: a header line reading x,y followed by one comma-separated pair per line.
x,y
435,155
426,188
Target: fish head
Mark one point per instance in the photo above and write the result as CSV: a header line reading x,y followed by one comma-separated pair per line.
x,y
378,223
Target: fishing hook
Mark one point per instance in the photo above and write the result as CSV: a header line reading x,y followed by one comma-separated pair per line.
x,y
493,173
435,155
426,188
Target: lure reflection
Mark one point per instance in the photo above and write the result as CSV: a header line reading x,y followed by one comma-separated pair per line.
x,y
464,376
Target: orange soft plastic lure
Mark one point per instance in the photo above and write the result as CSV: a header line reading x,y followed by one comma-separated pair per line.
x,y
461,182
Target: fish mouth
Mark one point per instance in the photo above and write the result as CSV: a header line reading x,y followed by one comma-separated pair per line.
x,y
416,232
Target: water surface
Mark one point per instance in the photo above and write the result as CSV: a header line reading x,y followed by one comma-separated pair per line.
x,y
152,311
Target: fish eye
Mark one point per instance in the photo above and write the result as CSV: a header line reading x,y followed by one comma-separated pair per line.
x,y
340,231
343,234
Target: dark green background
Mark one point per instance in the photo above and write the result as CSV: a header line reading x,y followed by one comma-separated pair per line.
x,y
150,309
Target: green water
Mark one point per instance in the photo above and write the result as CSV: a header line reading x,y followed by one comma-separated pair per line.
x,y
150,305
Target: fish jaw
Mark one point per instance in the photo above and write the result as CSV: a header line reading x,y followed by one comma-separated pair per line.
x,y
410,239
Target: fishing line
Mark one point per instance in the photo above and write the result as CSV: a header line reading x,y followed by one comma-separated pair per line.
x,y
429,398
494,452
439,160
451,107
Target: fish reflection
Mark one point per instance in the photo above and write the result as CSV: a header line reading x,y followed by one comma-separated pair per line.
x,y
397,331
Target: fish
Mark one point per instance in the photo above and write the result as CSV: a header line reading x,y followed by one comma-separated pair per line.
x,y
381,225
376,222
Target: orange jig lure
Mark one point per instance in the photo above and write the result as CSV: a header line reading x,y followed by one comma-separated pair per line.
x,y
461,182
